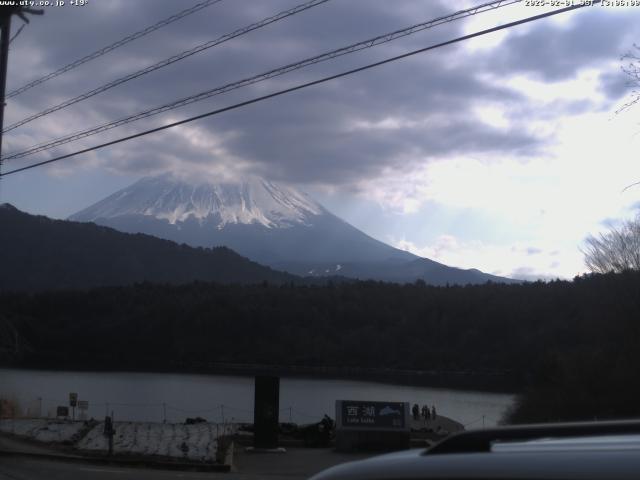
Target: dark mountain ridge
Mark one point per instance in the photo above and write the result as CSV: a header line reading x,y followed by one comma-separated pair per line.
x,y
39,253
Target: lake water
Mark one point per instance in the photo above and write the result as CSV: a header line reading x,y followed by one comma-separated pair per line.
x,y
156,396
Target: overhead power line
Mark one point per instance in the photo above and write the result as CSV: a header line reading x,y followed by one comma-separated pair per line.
x,y
13,8
168,61
304,85
113,46
15,35
371,42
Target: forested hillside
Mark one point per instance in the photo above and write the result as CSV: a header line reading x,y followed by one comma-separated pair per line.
x,y
572,346
38,253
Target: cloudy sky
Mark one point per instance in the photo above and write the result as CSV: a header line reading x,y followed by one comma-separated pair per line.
x,y
500,153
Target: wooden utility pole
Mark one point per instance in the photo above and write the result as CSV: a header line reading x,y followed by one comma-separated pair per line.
x,y
4,58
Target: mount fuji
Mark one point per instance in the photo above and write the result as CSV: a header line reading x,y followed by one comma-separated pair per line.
x,y
269,223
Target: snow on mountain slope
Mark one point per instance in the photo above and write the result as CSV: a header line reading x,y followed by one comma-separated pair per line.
x,y
253,201
268,223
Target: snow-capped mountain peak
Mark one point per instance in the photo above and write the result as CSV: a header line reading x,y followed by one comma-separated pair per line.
x,y
268,223
251,201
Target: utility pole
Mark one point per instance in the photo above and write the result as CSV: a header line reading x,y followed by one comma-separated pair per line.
x,y
4,58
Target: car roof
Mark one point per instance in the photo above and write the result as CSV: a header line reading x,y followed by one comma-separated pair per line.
x,y
601,465
595,450
582,444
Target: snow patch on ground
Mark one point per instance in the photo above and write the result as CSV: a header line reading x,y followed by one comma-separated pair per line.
x,y
42,430
192,442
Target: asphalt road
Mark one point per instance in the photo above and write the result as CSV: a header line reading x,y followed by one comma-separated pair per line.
x,y
296,464
20,468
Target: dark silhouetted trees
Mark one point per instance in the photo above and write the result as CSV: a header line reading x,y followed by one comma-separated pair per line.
x,y
571,347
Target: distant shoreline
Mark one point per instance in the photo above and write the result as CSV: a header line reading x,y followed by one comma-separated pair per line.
x,y
494,382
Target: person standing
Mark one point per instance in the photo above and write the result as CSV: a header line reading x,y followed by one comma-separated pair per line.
x,y
425,412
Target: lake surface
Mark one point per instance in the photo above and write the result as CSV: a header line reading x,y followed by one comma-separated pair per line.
x,y
156,396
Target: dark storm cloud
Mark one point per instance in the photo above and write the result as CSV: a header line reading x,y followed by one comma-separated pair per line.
x,y
555,52
340,132
615,85
321,135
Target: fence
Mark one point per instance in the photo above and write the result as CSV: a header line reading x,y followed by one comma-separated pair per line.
x,y
46,407
481,422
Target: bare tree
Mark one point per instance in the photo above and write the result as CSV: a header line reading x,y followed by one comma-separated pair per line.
x,y
616,250
631,67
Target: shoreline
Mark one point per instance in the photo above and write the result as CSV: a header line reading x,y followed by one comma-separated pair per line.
x,y
484,382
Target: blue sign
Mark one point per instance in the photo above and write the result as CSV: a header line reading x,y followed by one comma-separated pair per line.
x,y
372,415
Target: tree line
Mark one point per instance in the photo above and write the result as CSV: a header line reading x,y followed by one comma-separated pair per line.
x,y
571,348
